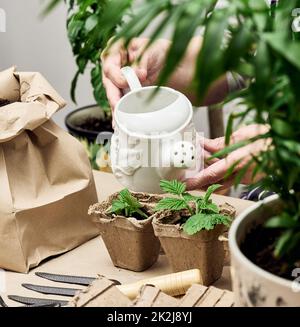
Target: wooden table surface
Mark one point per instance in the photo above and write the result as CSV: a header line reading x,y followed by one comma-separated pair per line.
x,y
92,257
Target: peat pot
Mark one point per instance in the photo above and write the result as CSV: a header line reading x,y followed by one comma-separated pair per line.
x,y
203,251
252,285
131,243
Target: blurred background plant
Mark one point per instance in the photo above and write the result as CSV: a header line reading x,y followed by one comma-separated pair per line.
x,y
90,25
247,37
98,155
250,38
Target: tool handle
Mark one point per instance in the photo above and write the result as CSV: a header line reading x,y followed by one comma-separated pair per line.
x,y
172,284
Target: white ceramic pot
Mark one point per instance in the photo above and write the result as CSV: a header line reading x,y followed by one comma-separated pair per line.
x,y
154,137
253,286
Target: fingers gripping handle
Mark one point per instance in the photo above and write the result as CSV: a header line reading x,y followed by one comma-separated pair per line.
x,y
131,78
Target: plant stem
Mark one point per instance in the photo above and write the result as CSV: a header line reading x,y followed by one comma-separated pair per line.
x,y
187,205
139,211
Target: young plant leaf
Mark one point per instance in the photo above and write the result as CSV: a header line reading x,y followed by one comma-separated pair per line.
x,y
283,243
129,199
282,221
202,221
127,204
210,208
117,206
170,204
190,197
209,192
173,187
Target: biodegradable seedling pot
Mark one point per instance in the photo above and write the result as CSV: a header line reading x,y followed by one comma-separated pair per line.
x,y
131,243
203,250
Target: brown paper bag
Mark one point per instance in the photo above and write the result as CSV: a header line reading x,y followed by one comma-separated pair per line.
x,y
46,183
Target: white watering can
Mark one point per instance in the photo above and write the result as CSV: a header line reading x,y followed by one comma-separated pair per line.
x,y
154,137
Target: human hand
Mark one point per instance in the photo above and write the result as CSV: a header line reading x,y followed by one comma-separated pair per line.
x,y
147,69
217,169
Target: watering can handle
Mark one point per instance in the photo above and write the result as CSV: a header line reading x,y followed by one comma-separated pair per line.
x,y
131,78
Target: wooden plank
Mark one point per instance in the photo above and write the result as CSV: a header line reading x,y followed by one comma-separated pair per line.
x,y
202,296
193,295
227,300
151,296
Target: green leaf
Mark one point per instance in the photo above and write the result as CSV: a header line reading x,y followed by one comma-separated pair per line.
x,y
209,70
209,192
126,197
282,221
228,149
50,6
282,128
204,221
210,208
242,172
174,187
283,243
184,29
73,86
231,169
189,197
117,206
284,47
229,128
171,204
91,22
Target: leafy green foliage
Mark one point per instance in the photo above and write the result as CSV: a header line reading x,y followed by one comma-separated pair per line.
x,y
173,187
205,221
171,204
126,204
205,215
96,151
260,45
90,25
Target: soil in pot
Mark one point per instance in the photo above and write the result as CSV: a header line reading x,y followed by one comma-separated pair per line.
x,y
87,122
131,242
203,250
96,124
258,246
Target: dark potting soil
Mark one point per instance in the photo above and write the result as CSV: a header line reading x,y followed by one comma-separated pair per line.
x,y
258,247
96,124
4,102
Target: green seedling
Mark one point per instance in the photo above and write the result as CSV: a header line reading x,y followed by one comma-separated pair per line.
x,y
126,204
204,214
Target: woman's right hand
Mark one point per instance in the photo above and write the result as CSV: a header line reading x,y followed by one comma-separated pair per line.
x,y
147,69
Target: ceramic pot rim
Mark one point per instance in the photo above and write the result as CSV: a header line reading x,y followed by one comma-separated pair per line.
x,y
234,247
159,136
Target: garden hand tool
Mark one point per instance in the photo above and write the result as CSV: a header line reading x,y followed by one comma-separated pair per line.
x,y
50,304
172,284
77,280
30,301
49,290
2,302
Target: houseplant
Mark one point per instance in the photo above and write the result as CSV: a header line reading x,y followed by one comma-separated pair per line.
x,y
90,25
188,228
261,43
124,221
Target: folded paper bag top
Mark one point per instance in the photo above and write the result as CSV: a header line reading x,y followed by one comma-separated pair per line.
x,y
46,180
32,100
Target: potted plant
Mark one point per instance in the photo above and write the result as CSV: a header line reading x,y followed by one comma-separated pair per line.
x,y
189,227
262,43
125,224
